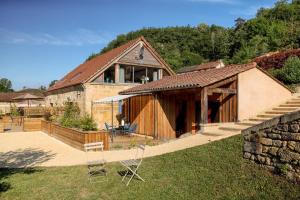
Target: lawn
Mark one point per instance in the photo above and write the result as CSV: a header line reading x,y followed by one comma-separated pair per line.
x,y
212,171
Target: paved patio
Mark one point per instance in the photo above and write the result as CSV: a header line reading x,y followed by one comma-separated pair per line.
x,y
20,149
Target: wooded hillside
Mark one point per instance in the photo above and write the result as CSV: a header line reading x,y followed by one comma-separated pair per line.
x,y
272,29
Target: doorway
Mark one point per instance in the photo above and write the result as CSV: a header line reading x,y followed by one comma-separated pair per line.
x,y
181,118
213,112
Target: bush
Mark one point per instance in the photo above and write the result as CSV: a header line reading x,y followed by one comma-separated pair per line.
x,y
70,117
290,72
88,124
14,111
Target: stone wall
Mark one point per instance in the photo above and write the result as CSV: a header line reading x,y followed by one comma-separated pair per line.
x,y
74,94
101,113
275,144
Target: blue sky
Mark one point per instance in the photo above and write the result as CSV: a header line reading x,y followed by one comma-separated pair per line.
x,y
42,40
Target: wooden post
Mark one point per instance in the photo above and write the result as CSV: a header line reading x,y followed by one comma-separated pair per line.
x,y
204,106
191,120
117,73
155,116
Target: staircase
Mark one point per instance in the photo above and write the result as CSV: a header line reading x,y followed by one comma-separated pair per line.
x,y
235,128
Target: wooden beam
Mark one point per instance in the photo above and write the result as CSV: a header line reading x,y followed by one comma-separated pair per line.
x,y
224,82
191,121
204,106
117,73
222,90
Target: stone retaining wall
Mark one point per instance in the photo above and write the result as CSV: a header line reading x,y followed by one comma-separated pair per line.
x,y
275,144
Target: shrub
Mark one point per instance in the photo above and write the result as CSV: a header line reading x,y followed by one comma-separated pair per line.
x,y
70,117
14,110
290,72
282,169
88,124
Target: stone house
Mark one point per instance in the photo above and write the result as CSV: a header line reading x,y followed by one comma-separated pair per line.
x,y
128,65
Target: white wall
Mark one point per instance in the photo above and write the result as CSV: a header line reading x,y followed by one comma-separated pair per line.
x,y
258,92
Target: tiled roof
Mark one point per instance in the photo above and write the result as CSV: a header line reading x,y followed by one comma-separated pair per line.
x,y
190,79
275,59
204,66
84,71
8,96
33,91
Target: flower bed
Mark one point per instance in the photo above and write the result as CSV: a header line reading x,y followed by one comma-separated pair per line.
x,y
73,137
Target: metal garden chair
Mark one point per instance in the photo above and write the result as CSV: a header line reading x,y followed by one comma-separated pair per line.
x,y
131,129
133,165
95,167
111,130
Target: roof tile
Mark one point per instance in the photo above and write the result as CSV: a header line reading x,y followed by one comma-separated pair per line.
x,y
84,71
190,79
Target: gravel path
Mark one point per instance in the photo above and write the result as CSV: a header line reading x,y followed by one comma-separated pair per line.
x,y
29,149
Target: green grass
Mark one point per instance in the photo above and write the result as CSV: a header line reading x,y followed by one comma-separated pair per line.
x,y
213,171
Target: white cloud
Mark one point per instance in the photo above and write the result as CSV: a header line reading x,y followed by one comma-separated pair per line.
x,y
78,37
232,2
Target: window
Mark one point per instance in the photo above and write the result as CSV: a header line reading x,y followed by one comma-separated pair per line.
x,y
109,75
126,74
152,74
137,74
140,74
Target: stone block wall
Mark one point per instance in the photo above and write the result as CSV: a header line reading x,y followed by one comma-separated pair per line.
x,y
275,144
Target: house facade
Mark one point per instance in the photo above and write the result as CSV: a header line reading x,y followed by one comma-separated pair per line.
x,y
187,102
134,63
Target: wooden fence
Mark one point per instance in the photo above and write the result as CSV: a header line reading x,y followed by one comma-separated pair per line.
x,y
75,138
1,127
32,124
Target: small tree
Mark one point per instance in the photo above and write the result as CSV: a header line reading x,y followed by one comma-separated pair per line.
x,y
290,73
5,85
14,110
88,124
70,117
52,83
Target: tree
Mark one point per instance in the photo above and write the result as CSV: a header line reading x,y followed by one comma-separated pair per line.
x,y
43,88
272,29
5,85
239,22
52,83
290,73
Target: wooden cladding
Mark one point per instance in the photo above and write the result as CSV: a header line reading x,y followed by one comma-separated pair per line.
x,y
140,110
171,113
228,105
75,138
165,112
154,115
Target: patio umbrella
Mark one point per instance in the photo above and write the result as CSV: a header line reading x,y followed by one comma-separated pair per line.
x,y
27,97
111,100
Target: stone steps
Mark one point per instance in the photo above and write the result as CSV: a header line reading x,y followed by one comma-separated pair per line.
x,y
258,119
249,123
213,134
290,105
268,115
284,109
277,112
231,128
293,102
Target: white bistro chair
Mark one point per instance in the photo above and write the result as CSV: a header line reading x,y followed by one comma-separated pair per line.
x,y
95,167
133,165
